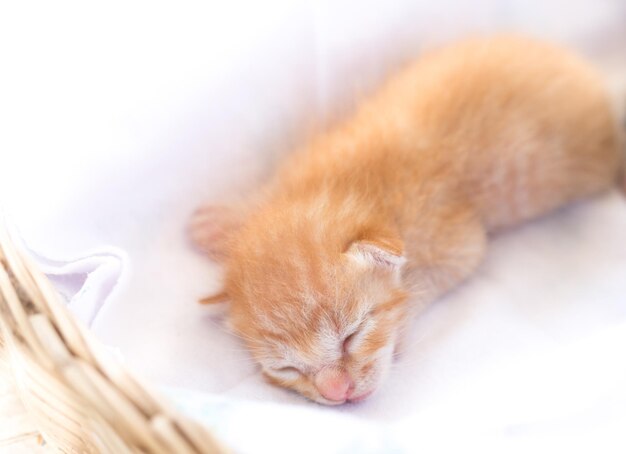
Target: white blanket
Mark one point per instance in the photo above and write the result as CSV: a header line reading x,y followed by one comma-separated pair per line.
x,y
118,122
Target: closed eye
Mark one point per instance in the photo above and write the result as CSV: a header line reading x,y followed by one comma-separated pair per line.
x,y
285,373
348,341
287,370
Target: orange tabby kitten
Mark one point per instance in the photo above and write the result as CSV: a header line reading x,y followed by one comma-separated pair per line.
x,y
393,207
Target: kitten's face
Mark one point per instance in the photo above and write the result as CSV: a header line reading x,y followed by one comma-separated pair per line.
x,y
321,322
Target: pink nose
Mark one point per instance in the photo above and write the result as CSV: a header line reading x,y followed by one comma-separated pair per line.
x,y
334,383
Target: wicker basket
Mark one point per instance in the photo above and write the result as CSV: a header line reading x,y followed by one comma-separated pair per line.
x,y
78,397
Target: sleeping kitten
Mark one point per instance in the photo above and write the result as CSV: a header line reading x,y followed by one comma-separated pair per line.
x,y
394,206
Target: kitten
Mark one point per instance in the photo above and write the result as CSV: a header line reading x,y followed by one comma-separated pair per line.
x,y
394,206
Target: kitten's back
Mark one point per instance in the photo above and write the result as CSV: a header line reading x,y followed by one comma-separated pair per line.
x,y
528,126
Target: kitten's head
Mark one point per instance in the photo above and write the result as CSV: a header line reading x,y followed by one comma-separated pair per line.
x,y
320,313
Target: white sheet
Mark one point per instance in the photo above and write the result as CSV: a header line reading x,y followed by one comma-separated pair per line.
x,y
118,121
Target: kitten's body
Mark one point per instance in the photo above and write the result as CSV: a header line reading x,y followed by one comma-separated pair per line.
x,y
469,140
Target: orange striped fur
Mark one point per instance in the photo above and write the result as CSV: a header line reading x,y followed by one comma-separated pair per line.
x,y
393,206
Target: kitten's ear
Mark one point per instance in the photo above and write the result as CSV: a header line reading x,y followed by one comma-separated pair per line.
x,y
380,253
211,227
